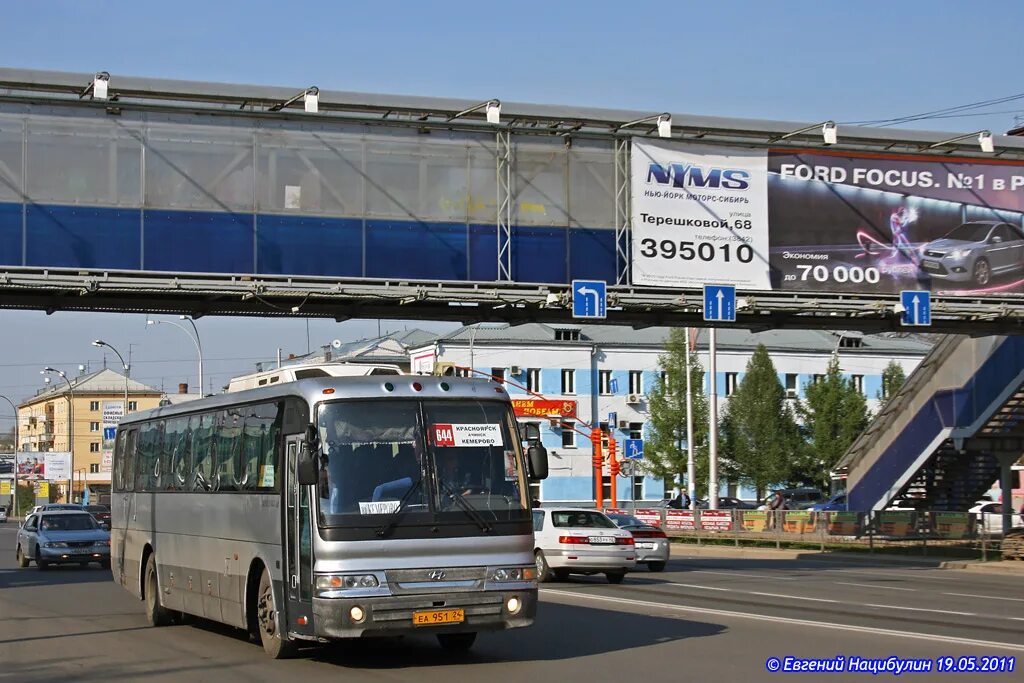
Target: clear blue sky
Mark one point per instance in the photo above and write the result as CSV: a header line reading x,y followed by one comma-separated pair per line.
x,y
804,61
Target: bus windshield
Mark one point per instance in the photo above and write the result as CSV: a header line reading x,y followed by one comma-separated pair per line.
x,y
439,461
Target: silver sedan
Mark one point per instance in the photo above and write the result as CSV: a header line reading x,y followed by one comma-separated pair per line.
x,y
651,543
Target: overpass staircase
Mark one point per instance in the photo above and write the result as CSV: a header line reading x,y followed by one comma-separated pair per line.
x,y
936,443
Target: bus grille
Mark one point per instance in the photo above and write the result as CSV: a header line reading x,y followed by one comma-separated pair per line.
x,y
401,609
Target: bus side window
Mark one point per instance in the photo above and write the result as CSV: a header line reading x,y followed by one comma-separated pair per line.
x,y
259,446
202,452
147,475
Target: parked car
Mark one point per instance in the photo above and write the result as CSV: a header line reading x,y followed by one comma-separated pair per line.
x,y
836,503
575,541
62,537
651,543
101,513
975,252
727,503
989,517
797,498
3,515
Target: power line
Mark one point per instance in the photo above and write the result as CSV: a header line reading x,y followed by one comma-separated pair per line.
x,y
937,112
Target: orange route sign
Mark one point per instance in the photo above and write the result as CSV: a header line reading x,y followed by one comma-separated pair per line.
x,y
535,407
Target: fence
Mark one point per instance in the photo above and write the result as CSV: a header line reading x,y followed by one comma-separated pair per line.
x,y
938,530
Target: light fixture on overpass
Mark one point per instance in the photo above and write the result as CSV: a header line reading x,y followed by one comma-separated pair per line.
x,y
492,111
829,133
663,121
984,141
98,87
310,98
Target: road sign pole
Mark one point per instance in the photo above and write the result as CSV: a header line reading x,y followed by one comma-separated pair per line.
x,y
613,468
691,467
713,422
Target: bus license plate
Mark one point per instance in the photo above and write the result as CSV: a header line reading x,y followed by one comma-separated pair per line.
x,y
438,616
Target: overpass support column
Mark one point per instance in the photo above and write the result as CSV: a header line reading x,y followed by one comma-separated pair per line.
x,y
1006,461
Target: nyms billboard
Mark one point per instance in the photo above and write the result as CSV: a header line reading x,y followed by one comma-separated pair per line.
x,y
824,221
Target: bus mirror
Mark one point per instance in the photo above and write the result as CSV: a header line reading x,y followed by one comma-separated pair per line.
x,y
306,466
537,456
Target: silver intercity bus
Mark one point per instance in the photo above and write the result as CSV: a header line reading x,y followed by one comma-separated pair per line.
x,y
330,508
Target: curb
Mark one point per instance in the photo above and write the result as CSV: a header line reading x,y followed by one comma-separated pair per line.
x,y
1008,567
787,554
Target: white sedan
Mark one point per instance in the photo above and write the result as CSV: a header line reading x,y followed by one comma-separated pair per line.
x,y
989,517
574,541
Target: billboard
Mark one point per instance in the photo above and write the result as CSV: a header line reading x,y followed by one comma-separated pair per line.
x,y
113,412
535,407
826,221
39,466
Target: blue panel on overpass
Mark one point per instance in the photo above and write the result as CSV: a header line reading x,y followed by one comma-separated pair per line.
x,y
417,250
199,241
592,254
309,245
10,234
82,237
538,254
483,253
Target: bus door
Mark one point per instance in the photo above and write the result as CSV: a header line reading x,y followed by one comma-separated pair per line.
x,y
298,546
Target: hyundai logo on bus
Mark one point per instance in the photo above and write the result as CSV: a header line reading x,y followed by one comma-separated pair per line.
x,y
437,575
691,175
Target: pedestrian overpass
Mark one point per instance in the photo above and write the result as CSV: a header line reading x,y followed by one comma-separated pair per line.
x,y
955,427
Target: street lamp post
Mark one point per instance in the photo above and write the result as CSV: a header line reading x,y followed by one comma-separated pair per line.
x,y
195,340
100,343
71,425
14,501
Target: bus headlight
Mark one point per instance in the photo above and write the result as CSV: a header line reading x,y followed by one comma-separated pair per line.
x,y
514,574
513,605
357,614
334,582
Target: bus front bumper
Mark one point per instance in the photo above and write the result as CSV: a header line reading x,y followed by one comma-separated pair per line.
x,y
394,615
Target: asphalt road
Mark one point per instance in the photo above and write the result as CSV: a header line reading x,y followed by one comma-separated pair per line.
x,y
708,619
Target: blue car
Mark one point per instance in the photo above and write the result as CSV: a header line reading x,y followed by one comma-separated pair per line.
x,y
62,537
836,503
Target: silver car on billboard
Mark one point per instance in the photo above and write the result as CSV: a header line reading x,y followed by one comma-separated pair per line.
x,y
975,252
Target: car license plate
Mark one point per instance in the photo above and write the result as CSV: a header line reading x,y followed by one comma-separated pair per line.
x,y
646,546
438,616
928,265
602,540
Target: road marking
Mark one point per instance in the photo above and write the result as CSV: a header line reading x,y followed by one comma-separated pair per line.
x,y
742,574
986,597
787,620
792,597
871,585
922,609
698,586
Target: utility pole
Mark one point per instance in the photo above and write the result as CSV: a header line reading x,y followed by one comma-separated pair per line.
x,y
713,422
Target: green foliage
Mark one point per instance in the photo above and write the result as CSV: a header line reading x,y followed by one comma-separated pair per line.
x,y
759,433
893,378
665,452
834,413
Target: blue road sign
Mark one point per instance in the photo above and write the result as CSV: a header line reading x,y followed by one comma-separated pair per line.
x,y
720,303
634,449
613,420
588,298
613,385
917,307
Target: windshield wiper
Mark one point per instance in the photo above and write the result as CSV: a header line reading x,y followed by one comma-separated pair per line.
x,y
470,511
397,512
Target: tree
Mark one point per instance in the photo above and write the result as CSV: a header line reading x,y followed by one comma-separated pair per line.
x,y
893,378
834,413
665,451
759,432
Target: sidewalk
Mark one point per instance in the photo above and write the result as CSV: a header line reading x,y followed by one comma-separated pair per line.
x,y
680,550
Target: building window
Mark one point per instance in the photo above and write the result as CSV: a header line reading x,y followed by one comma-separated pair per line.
x,y
636,430
94,468
817,378
133,405
531,431
568,437
636,382
730,383
858,383
567,335
533,380
664,380
94,426
638,488
791,385
568,381
94,405
605,383
94,447
498,374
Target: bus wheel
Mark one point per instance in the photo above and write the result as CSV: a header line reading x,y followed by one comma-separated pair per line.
x,y
274,644
456,642
156,613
